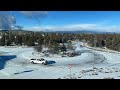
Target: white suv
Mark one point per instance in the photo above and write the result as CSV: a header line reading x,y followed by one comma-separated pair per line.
x,y
42,61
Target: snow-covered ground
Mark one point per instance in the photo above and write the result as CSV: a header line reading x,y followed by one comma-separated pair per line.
x,y
17,65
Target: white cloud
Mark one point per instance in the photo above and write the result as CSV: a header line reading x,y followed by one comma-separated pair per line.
x,y
81,26
7,21
71,27
108,28
65,27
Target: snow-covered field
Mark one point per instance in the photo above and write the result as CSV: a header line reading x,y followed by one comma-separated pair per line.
x,y
15,64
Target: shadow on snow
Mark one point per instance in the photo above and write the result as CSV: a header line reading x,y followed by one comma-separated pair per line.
x,y
4,59
24,71
51,62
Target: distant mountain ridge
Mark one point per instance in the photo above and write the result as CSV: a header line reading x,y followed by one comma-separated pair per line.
x,y
81,32
66,32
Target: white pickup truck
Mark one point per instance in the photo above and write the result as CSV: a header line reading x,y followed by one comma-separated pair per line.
x,y
39,61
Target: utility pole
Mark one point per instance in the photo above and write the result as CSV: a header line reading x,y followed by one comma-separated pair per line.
x,y
8,35
95,41
5,39
45,35
70,72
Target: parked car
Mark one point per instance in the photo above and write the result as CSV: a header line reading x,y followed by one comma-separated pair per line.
x,y
39,61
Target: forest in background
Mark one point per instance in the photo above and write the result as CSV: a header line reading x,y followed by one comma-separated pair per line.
x,y
19,38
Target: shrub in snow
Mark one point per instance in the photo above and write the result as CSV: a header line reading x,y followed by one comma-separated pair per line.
x,y
113,68
91,69
108,78
111,71
94,68
79,76
106,71
100,70
90,74
87,70
83,71
116,70
94,73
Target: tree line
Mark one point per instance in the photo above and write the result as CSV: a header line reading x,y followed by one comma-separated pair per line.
x,y
52,40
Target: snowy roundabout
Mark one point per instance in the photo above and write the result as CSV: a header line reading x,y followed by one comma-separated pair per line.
x,y
85,58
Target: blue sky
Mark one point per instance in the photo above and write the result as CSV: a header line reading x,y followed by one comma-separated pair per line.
x,y
71,20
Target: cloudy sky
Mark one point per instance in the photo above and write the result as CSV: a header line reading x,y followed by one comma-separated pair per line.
x,y
108,21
